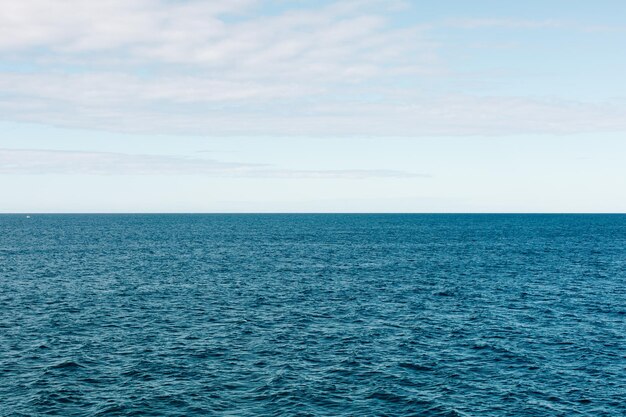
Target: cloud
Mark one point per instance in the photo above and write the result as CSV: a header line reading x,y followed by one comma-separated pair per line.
x,y
480,23
528,24
49,162
348,40
129,108
75,25
101,90
225,67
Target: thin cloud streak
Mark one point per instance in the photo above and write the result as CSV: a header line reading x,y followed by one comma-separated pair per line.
x,y
401,116
57,162
478,23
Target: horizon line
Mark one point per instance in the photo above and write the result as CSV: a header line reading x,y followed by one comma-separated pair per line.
x,y
25,213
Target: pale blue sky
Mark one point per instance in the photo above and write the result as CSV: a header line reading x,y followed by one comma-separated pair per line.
x,y
308,106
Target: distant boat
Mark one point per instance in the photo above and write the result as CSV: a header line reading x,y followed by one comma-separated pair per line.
x,y
28,217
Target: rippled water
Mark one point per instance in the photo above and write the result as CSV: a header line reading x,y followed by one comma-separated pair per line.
x,y
478,315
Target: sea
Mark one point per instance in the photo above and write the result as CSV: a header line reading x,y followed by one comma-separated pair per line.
x,y
312,315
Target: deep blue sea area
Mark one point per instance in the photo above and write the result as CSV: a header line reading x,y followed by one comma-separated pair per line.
x,y
313,315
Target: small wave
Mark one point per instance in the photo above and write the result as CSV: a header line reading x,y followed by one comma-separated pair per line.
x,y
416,367
445,293
67,365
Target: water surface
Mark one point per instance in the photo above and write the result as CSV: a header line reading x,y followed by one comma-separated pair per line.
x,y
442,315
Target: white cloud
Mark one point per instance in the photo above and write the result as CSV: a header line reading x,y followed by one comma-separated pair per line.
x,y
101,90
479,23
46,162
130,105
75,25
128,64
528,24
337,41
226,67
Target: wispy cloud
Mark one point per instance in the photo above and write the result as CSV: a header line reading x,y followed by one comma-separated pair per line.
x,y
47,162
399,115
344,41
212,67
479,23
231,67
527,24
75,26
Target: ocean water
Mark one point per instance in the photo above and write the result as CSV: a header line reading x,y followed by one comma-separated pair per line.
x,y
281,315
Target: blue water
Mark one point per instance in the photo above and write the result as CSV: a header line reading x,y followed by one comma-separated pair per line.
x,y
194,315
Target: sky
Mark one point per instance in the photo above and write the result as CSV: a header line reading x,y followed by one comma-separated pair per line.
x,y
312,106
